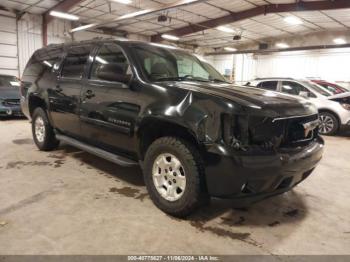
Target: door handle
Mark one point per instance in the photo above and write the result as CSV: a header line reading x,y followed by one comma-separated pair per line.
x,y
89,94
58,89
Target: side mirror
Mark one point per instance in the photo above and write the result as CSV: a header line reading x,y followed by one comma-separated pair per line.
x,y
114,73
304,94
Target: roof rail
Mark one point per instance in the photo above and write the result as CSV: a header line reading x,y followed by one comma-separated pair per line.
x,y
98,38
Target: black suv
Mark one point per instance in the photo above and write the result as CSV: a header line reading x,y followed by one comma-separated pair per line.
x,y
194,134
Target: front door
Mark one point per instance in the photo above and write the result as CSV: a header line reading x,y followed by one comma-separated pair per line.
x,y
65,95
109,107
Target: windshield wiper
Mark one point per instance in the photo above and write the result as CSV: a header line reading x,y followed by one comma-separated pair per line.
x,y
175,78
218,80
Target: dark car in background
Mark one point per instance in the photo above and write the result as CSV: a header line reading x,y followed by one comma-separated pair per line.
x,y
194,134
10,96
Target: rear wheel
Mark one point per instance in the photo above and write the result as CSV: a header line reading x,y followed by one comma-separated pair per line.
x,y
174,174
43,134
329,124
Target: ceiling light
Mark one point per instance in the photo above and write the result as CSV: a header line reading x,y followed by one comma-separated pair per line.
x,y
293,20
170,37
141,12
282,45
83,27
225,29
14,83
125,2
64,15
230,49
339,41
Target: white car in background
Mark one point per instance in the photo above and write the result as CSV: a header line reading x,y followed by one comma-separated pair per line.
x,y
334,108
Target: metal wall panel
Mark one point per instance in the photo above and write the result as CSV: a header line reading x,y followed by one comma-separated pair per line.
x,y
331,64
8,44
29,38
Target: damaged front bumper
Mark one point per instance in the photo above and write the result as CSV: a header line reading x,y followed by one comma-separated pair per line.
x,y
255,176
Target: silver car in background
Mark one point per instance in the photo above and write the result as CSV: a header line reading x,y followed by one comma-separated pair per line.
x,y
334,108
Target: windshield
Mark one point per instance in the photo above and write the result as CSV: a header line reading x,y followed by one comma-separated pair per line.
x,y
319,89
333,88
9,82
167,64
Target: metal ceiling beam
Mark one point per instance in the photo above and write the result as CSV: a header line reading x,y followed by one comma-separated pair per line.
x,y
256,11
145,12
63,6
264,51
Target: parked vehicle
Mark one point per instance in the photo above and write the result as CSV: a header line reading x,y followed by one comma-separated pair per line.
x,y
331,87
9,96
334,108
193,134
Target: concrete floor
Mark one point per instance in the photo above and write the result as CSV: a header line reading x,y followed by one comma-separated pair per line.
x,y
70,202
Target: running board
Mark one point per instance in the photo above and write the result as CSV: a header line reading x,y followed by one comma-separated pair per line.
x,y
123,161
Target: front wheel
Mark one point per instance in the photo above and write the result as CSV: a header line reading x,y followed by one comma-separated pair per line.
x,y
329,124
174,176
43,134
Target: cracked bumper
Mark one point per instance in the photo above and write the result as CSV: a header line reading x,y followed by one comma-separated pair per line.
x,y
255,177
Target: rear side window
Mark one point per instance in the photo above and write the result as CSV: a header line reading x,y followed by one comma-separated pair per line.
x,y
42,61
75,61
268,85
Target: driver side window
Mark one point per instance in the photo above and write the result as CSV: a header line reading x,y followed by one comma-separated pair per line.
x,y
110,64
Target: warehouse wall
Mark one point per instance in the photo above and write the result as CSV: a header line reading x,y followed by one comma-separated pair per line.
x,y
29,38
223,63
330,64
19,39
8,44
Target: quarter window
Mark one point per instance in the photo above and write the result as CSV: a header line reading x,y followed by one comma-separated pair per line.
x,y
75,61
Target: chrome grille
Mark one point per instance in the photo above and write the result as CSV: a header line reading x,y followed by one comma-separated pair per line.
x,y
300,130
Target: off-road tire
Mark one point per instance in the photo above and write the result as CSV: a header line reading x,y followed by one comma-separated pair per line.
x,y
49,142
195,193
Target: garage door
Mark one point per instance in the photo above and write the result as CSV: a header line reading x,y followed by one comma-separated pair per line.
x,y
8,46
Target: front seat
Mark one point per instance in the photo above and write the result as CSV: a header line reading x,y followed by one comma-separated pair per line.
x,y
160,70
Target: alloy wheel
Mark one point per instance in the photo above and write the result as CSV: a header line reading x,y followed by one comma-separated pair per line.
x,y
169,177
327,124
39,129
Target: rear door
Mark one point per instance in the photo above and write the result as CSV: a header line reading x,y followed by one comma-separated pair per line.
x,y
109,107
65,94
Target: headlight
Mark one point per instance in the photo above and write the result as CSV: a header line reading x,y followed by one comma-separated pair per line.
x,y
345,106
235,130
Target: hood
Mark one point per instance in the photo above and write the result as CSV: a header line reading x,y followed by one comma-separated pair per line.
x,y
279,104
342,95
9,93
